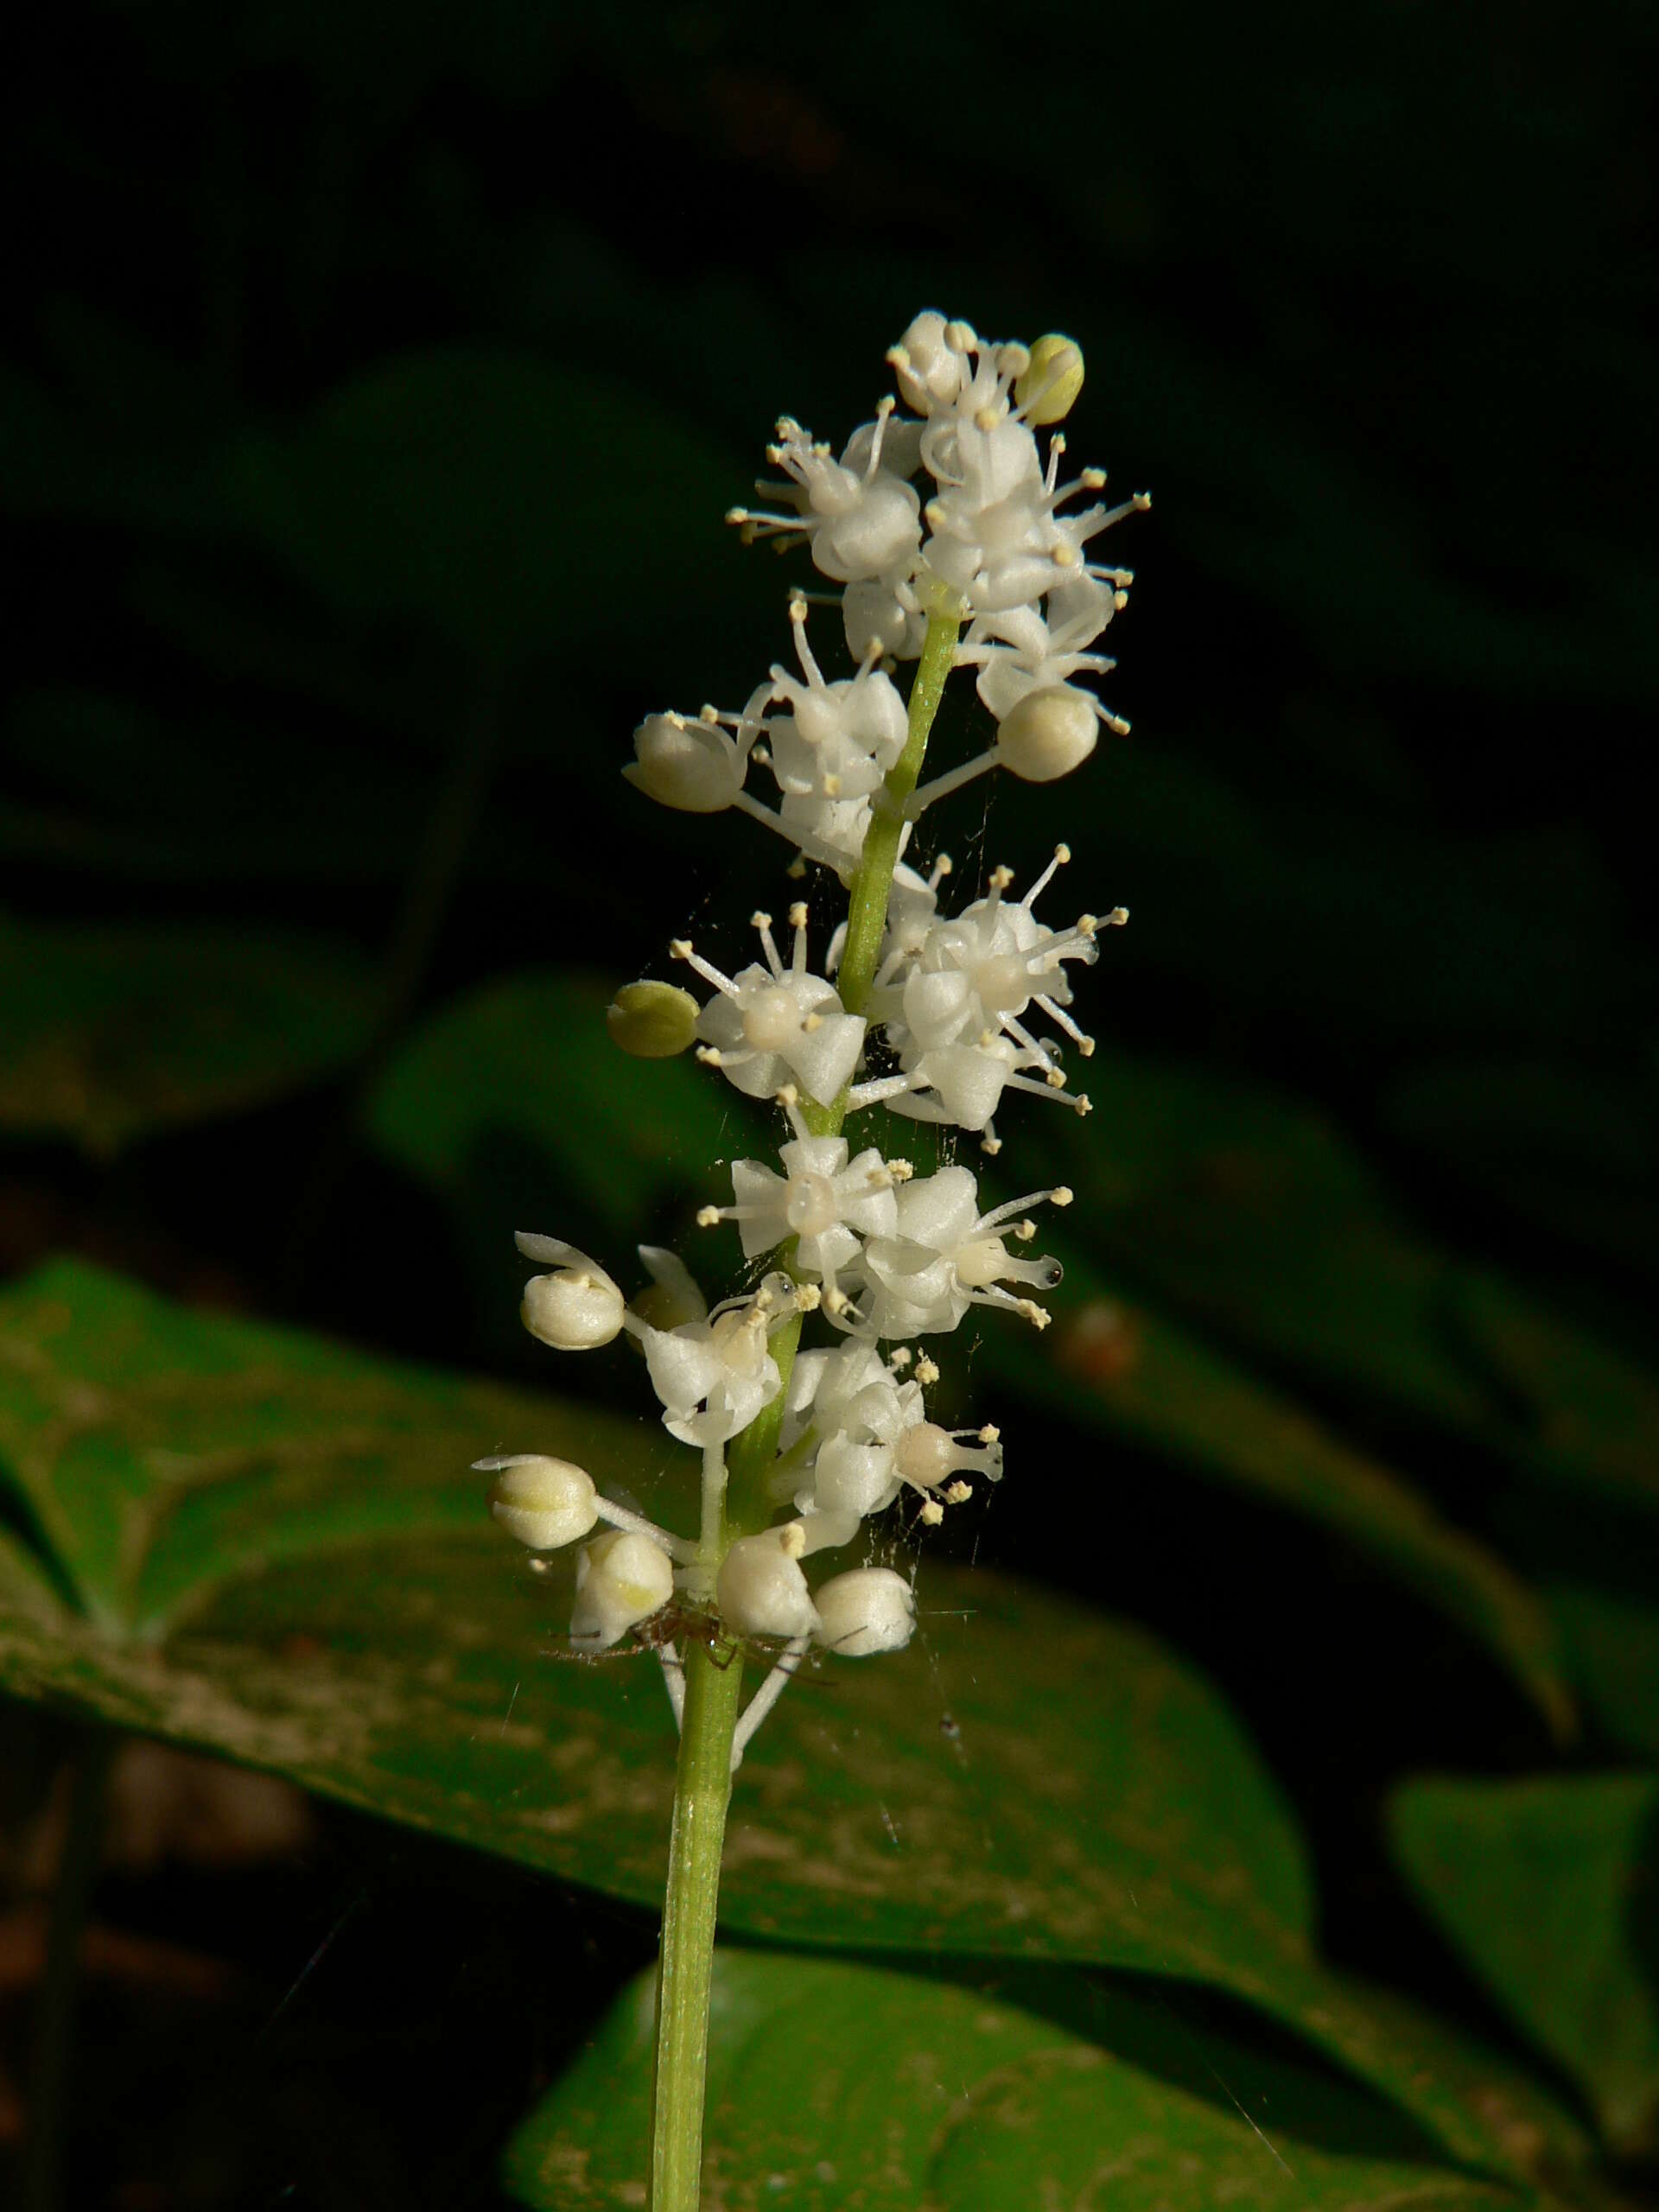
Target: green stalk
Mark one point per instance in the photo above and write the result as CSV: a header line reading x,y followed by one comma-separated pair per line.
x,y
42,2179
702,1787
713,1692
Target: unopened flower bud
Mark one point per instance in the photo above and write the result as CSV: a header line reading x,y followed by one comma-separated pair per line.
x,y
688,764
545,1503
761,1590
575,1310
869,1610
1051,379
652,1020
1048,733
621,1580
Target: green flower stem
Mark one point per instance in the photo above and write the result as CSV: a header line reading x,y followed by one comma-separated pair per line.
x,y
867,910
713,1693
703,1788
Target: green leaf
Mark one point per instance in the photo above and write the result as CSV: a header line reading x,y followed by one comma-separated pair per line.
x,y
834,2084
1246,1212
1612,1642
1128,1371
109,1034
1564,1146
526,1067
1549,1889
277,1551
492,496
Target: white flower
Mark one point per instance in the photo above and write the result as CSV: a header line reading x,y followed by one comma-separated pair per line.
x,y
713,1375
859,517
822,1200
622,1578
839,739
761,1590
948,1256
574,1310
1017,651
953,1002
869,1610
862,1413
880,617
769,1024
694,765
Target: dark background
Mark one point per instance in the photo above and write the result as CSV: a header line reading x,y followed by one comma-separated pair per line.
x,y
373,385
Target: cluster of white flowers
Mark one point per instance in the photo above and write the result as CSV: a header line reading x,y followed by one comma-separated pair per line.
x,y
994,551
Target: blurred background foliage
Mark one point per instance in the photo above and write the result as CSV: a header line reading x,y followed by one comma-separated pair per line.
x,y
372,389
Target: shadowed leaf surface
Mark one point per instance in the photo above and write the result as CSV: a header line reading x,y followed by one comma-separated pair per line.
x,y
839,2085
486,493
1549,1888
106,1035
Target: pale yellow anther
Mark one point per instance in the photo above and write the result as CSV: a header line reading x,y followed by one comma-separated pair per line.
x,y
1141,499
1063,853
737,514
832,786
797,608
708,715
1118,725
1061,1195
927,1370
1120,601
710,1056
1001,878
679,948
1035,1314
760,921
991,1145
1118,916
1088,923
1086,1048
944,864
798,915
899,1358
707,1216
933,1512
809,1298
811,1021
1093,480
796,867
1025,1231
990,1434
959,1493
1055,1078
1083,1102
788,1096
835,1301
901,1170
985,419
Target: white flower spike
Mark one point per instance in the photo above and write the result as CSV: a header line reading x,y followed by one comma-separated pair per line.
x,y
951,535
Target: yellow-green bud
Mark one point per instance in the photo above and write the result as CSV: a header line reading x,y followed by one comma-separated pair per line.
x,y
1052,380
652,1020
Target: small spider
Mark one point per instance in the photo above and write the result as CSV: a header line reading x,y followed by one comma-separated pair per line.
x,y
670,1630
